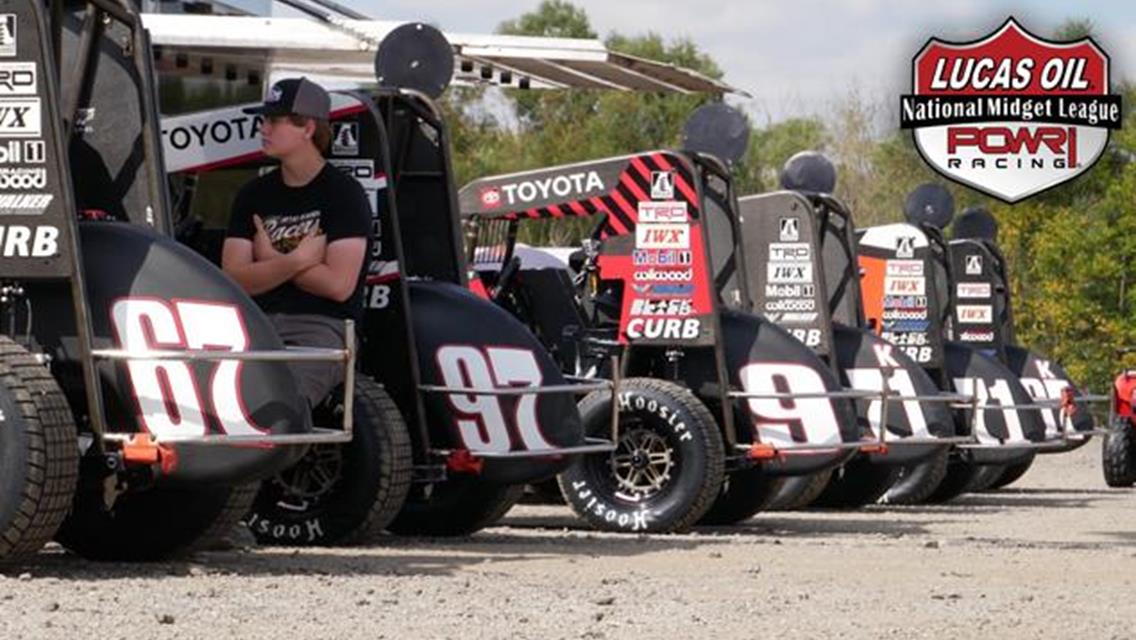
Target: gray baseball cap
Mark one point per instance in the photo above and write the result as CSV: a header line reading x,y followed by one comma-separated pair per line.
x,y
295,96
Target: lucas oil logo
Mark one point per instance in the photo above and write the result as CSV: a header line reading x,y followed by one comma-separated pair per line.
x,y
1011,114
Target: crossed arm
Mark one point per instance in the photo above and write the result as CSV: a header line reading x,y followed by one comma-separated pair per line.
x,y
315,266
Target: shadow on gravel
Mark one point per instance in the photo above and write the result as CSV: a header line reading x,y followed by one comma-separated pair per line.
x,y
999,501
393,556
802,526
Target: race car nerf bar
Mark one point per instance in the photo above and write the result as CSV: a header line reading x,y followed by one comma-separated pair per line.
x,y
871,445
317,435
1066,436
578,386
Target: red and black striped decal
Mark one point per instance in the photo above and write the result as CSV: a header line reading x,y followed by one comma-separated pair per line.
x,y
621,204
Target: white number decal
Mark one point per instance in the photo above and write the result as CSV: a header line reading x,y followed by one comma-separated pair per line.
x,y
1047,389
784,422
999,393
169,400
480,419
900,383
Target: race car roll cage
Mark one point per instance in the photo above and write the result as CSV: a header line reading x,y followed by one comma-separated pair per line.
x,y
68,264
825,208
144,447
1066,406
491,239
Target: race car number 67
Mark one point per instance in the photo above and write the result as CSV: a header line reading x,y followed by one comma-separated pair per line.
x,y
170,402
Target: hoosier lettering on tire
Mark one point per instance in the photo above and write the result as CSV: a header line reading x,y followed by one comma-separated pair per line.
x,y
667,468
340,493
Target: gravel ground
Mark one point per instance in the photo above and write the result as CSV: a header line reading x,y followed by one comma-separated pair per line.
x,y
1051,556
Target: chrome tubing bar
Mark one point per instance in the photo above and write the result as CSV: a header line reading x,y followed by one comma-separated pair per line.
x,y
292,354
1003,447
811,447
315,436
911,440
518,391
848,393
593,445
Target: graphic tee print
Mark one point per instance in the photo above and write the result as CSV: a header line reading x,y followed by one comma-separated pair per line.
x,y
286,231
333,204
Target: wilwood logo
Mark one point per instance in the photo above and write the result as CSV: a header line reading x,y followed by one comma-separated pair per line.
x,y
1011,114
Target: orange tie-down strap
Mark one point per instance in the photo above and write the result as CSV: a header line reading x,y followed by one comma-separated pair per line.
x,y
141,448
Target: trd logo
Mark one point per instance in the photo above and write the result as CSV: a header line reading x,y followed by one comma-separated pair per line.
x,y
18,78
790,230
662,185
974,265
905,246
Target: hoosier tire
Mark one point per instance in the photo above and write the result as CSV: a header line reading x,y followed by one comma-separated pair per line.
x,y
340,493
959,478
859,482
1118,455
744,493
39,454
918,482
154,524
1011,474
798,492
460,506
667,469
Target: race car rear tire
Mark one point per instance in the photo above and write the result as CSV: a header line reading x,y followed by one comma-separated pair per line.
x,y
857,483
744,493
459,506
667,469
917,482
1012,473
153,524
958,479
985,478
546,492
1118,454
38,454
340,493
798,492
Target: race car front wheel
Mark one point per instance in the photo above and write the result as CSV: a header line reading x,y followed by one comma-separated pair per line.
x,y
857,483
744,493
340,493
667,468
798,492
918,482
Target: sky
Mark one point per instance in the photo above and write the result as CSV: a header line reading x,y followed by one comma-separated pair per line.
x,y
800,57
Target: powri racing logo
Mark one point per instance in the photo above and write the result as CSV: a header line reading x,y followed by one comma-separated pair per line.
x,y
1011,114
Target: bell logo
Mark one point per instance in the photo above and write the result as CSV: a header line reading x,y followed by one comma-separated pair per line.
x,y
662,185
790,230
974,265
905,246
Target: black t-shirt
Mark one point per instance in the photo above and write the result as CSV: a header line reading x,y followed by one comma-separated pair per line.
x,y
332,202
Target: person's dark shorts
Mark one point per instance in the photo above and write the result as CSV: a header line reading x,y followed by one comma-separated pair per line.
x,y
315,379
